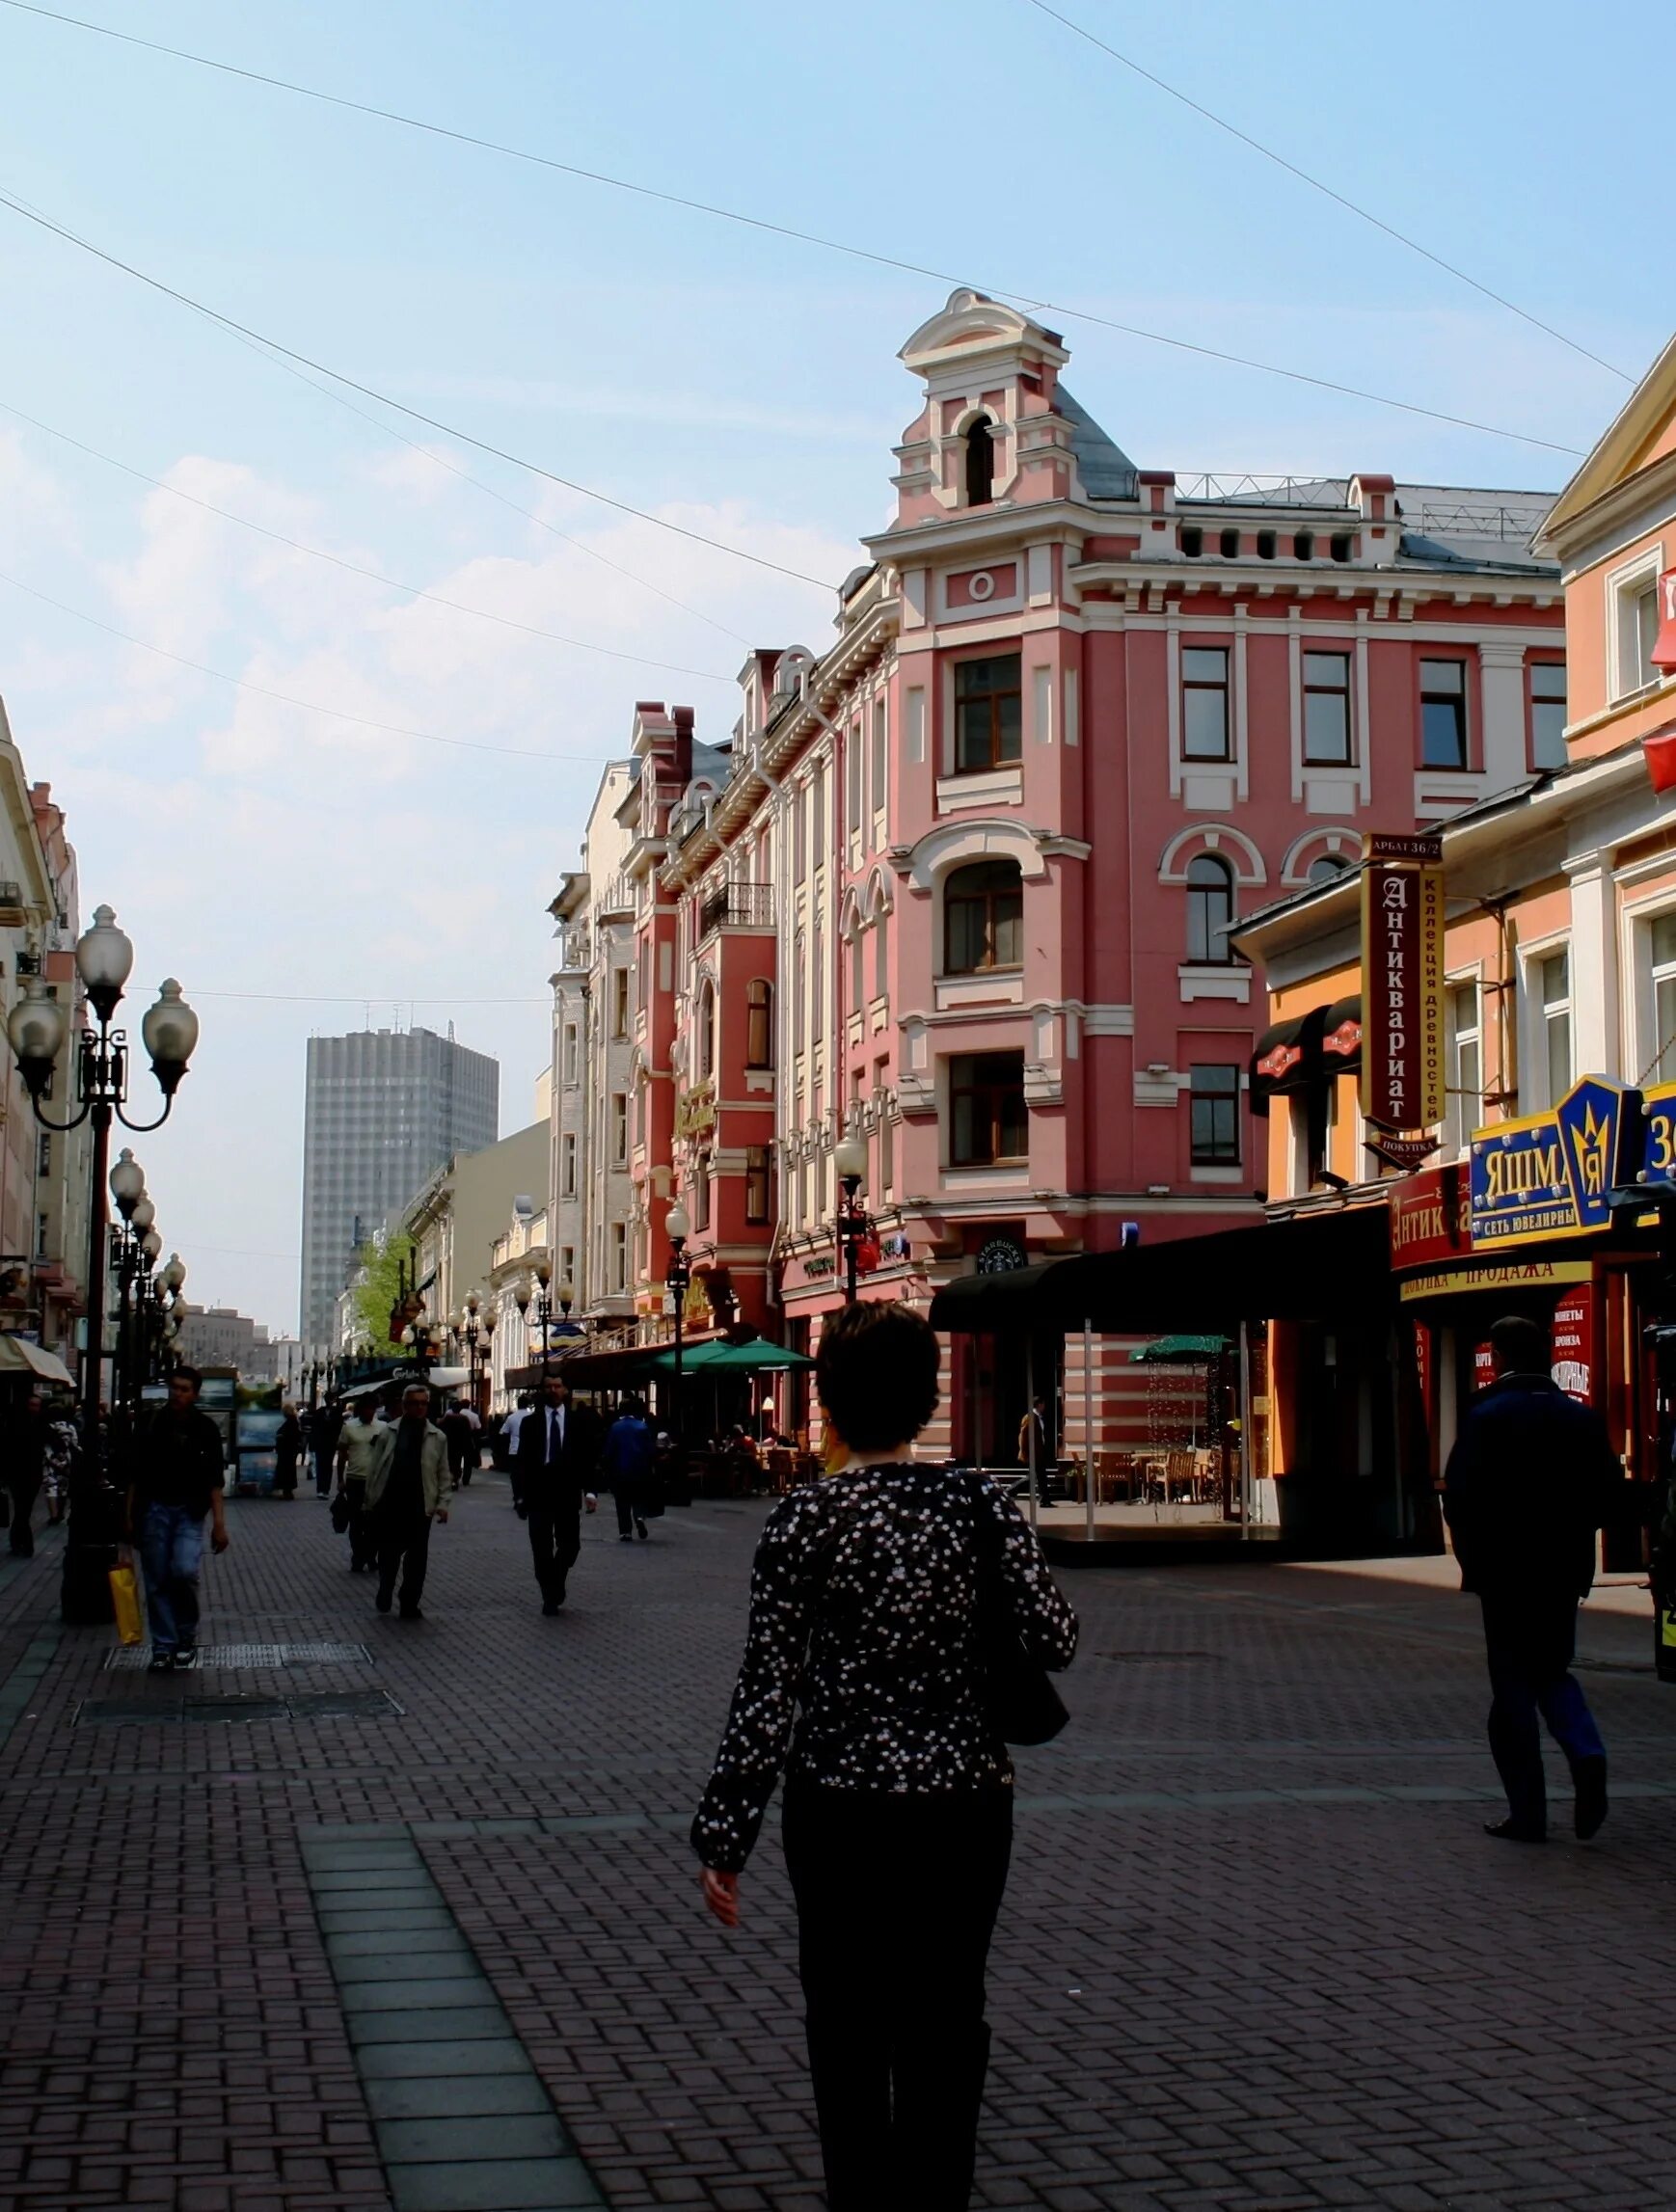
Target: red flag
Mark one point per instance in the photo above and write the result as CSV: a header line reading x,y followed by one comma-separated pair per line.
x,y
1659,749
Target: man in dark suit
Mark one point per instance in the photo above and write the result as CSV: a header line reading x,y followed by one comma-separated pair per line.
x,y
555,1471
1530,1480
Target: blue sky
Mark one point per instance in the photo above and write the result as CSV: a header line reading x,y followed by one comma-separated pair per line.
x,y
740,383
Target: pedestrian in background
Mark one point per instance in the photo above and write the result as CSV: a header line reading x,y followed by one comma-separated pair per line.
x,y
408,1487
1530,1480
555,1470
627,1465
462,1439
287,1453
863,1662
175,1481
62,1448
355,1448
25,1444
324,1431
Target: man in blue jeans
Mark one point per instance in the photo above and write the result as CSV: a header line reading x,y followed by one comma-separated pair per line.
x,y
174,1480
1530,1480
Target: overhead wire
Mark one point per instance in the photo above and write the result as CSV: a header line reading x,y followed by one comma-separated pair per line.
x,y
481,484
414,414
1315,184
355,568
737,216
288,698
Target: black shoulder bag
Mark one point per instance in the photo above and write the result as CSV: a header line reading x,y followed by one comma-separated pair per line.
x,y
1017,1695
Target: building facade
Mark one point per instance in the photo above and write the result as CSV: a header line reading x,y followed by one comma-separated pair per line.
x,y
382,1110
43,1173
1553,1192
962,885
592,1191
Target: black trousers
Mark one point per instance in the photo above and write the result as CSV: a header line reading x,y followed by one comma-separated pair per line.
x,y
1529,1639
630,1509
555,1540
404,1548
23,1489
897,1898
362,1528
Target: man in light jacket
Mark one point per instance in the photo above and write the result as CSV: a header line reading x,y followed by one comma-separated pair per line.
x,y
408,1487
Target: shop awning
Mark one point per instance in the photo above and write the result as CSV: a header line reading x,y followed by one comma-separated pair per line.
x,y
19,1356
1300,1268
613,1371
1163,1351
1342,1037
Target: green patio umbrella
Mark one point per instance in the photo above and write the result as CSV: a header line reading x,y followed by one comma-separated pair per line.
x,y
714,1357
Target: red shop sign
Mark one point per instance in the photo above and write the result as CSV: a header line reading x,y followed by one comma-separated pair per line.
x,y
1574,1334
1430,1223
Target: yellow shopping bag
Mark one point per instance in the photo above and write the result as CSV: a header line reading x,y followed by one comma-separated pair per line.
x,y
125,1598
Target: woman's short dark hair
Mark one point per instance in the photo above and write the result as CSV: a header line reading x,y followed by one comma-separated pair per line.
x,y
876,1374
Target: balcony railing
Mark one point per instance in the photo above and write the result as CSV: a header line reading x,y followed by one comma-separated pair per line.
x,y
736,906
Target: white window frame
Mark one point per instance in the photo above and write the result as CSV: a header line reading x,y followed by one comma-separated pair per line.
x,y
1646,977
619,1128
1624,584
1533,1083
1461,1117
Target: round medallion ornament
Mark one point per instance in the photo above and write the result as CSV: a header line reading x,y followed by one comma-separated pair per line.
x,y
1001,1256
982,585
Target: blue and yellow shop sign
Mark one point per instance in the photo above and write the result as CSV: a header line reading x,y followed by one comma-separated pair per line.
x,y
1550,1174
1659,1153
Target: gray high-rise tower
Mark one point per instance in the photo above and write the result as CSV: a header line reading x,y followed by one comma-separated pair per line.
x,y
384,1110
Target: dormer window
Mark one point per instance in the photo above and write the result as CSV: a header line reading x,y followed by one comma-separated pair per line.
x,y
980,463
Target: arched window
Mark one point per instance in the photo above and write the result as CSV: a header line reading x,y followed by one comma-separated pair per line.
x,y
759,1023
1328,865
1209,909
980,463
983,918
881,954
706,1031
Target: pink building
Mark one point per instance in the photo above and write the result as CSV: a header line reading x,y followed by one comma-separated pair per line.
x,y
960,884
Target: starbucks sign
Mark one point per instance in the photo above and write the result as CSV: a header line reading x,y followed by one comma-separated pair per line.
x,y
1001,1255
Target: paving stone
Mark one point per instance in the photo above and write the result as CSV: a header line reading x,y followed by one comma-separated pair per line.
x,y
494,2185
442,1952
442,2099
435,1992
501,2055
505,2135
446,2023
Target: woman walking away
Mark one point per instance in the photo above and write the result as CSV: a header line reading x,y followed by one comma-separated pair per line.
x,y
863,1660
287,1451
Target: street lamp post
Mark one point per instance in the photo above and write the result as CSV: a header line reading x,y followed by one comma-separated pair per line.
x,y
38,1028
851,1161
677,1275
544,1306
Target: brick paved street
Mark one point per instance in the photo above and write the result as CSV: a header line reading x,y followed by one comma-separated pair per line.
x,y
1255,1954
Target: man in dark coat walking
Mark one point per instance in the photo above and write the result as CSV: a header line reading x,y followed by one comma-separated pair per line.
x,y
1528,1483
555,1470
